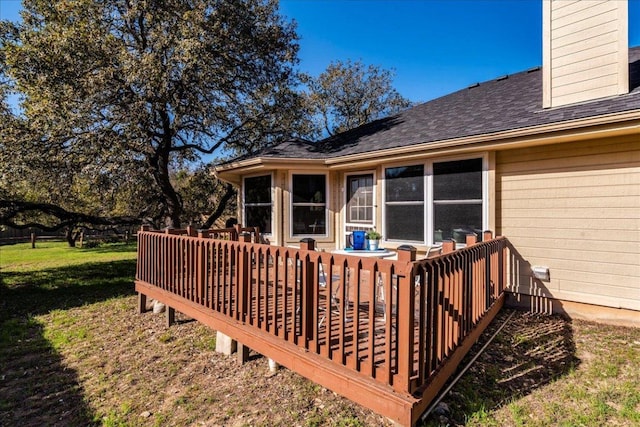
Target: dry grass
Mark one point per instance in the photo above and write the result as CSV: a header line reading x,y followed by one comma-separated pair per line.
x,y
74,352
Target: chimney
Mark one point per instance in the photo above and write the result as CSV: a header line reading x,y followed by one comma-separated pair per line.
x,y
585,50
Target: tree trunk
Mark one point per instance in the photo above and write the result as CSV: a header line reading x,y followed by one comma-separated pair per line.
x,y
71,237
172,202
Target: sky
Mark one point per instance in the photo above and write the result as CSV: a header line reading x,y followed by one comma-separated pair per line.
x,y
434,47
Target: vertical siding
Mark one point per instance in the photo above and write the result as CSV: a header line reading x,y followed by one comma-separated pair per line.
x,y
576,209
586,50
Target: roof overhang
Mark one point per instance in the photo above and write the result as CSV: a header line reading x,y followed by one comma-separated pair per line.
x,y
233,172
604,126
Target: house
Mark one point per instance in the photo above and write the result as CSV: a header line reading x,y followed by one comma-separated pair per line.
x,y
548,157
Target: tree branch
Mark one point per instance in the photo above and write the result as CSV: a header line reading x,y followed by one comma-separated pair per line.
x,y
9,209
228,195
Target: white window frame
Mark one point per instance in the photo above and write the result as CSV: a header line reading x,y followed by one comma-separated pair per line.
x,y
427,237
325,205
384,198
346,201
271,192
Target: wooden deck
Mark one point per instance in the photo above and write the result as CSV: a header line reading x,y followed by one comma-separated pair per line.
x,y
385,334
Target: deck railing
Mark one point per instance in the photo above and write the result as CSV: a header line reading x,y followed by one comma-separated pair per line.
x,y
396,322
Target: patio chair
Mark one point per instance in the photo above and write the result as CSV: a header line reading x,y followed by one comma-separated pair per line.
x,y
334,301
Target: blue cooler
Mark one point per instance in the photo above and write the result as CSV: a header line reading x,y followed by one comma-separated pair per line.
x,y
358,240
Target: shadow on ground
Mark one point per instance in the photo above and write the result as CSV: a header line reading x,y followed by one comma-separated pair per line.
x,y
36,388
39,292
530,352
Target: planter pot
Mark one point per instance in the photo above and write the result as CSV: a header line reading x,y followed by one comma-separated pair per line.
x,y
373,245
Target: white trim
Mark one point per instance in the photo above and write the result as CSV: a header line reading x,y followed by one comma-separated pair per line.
x,y
326,203
272,204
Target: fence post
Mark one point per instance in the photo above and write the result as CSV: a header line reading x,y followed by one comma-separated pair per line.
x,y
448,246
308,244
33,240
406,253
405,312
471,239
237,231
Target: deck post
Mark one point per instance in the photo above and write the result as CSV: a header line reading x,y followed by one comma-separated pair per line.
x,y
406,297
308,244
471,239
142,303
406,253
448,246
308,298
242,353
236,232
170,315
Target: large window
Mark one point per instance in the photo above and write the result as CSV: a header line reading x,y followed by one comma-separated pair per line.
x,y
457,199
309,205
257,202
404,203
360,200
433,202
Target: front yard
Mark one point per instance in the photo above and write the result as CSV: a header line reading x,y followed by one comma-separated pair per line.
x,y
73,351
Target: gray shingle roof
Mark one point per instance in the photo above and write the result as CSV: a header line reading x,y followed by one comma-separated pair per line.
x,y
504,104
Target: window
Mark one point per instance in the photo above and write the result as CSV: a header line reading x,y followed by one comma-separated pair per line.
x,y
257,202
309,205
360,200
457,199
404,203
434,202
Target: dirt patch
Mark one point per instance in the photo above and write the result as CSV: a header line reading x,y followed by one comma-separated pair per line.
x,y
102,364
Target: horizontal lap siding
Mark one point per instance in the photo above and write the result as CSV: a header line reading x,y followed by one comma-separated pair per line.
x,y
586,50
576,209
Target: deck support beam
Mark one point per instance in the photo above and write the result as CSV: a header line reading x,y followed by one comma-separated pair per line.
x,y
243,353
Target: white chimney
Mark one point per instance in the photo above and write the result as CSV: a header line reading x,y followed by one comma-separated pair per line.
x,y
584,50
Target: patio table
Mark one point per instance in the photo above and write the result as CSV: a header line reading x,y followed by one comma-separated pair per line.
x,y
380,253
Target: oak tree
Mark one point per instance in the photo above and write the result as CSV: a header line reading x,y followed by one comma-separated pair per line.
x,y
120,91
349,94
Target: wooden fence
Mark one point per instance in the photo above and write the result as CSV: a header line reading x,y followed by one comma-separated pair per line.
x,y
366,328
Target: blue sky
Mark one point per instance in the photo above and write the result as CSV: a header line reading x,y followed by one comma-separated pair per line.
x,y
434,46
